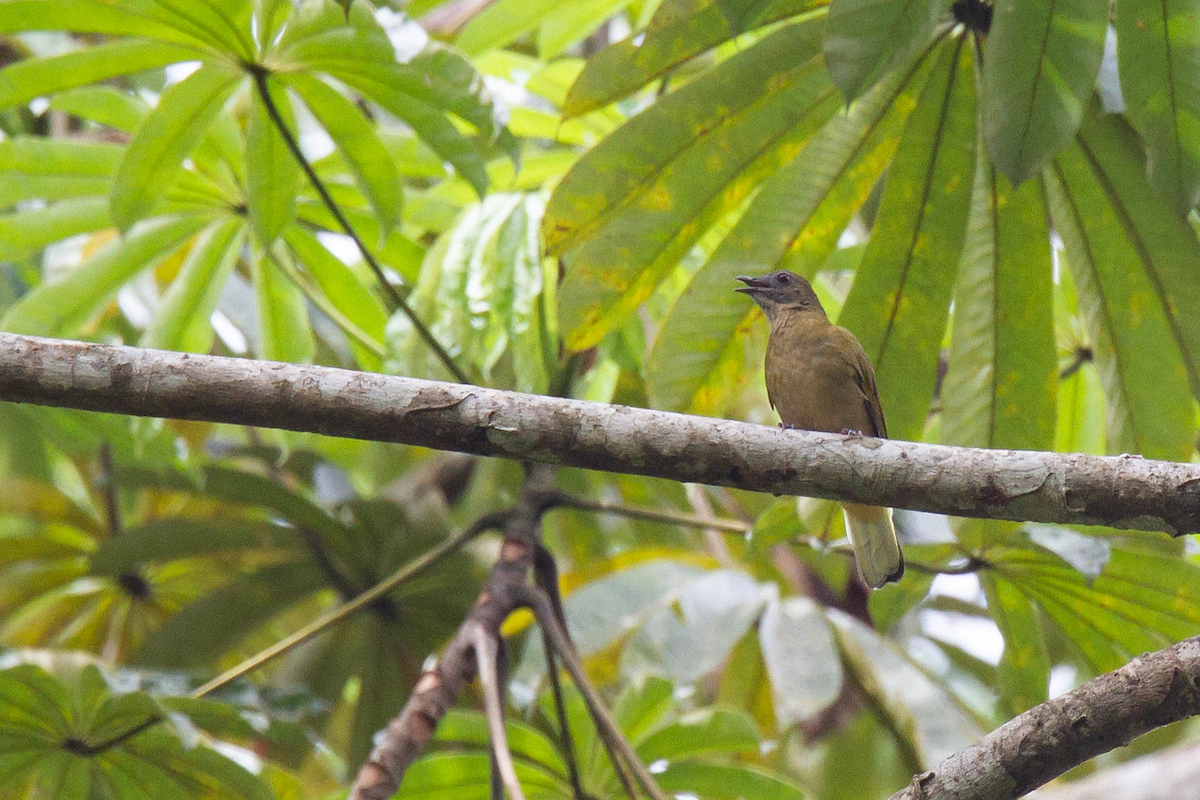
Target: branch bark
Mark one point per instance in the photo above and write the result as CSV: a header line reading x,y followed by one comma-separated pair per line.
x,y
1122,491
1106,712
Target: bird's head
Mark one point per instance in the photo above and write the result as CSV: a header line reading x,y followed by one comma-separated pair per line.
x,y
781,291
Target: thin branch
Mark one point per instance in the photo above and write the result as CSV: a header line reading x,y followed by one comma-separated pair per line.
x,y
543,610
1121,491
260,75
493,708
1106,712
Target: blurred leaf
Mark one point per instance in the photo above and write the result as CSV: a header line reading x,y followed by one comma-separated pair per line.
x,y
273,176
426,91
45,721
105,106
900,300
1158,49
793,222
727,782
374,171
182,321
501,22
36,168
1148,403
1002,376
679,30
125,17
1023,675
62,306
868,37
801,658
22,81
348,293
283,327
1039,71
566,23
708,732
632,205
154,159
23,233
176,538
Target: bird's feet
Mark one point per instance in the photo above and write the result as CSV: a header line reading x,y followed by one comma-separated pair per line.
x,y
852,433
787,427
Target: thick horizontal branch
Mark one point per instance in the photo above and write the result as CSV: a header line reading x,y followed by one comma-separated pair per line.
x,y
1106,712
1123,491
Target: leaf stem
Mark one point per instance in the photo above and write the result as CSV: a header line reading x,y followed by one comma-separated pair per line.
x,y
259,73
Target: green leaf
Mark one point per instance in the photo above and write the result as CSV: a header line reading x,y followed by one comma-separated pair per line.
x,y
154,160
176,538
86,16
62,306
726,782
680,30
567,23
801,658
1149,407
220,619
223,25
868,37
698,359
23,233
1158,52
500,23
50,169
372,165
1024,670
711,731
284,333
182,321
41,713
104,105
22,81
426,91
348,293
1002,377
272,174
1163,246
900,300
636,202
1039,70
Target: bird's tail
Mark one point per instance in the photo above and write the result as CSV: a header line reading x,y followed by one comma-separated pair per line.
x,y
876,547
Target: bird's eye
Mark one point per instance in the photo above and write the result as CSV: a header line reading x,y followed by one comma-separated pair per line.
x,y
783,278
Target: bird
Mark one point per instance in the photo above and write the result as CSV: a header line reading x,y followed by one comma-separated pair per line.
x,y
819,379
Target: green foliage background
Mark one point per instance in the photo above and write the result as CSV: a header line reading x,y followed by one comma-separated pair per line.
x,y
998,202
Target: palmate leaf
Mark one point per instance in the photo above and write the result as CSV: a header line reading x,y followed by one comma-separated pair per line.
x,y
866,37
1023,675
357,142
182,321
90,16
793,222
22,81
1039,70
900,300
679,31
60,306
23,233
1158,50
632,205
425,91
1002,376
1140,602
42,713
154,159
272,173
1149,407
284,332
47,169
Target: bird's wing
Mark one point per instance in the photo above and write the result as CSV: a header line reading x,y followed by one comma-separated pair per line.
x,y
864,376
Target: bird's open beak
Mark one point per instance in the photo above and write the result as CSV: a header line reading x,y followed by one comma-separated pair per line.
x,y
752,284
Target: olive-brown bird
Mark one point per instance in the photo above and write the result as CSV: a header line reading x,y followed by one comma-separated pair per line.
x,y
819,379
